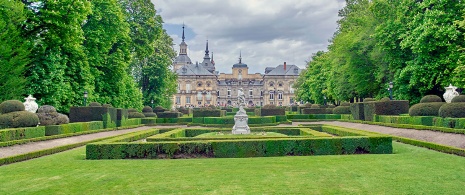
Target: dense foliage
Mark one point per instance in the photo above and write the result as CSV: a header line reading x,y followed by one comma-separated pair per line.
x,y
109,48
418,45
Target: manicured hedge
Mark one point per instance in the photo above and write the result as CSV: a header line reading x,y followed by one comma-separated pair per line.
x,y
121,117
272,112
356,109
313,111
21,133
174,120
453,110
85,114
148,120
169,114
394,107
209,113
282,118
197,120
73,128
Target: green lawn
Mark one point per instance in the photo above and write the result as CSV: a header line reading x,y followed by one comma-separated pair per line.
x,y
411,170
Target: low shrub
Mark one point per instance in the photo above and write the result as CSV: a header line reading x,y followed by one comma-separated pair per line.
x,y
430,98
149,114
148,121
11,106
147,109
426,109
168,114
368,100
132,110
345,104
86,114
272,111
158,109
460,98
73,128
394,107
21,133
313,111
46,109
18,119
341,110
208,113
49,116
385,99
452,110
315,106
269,106
135,115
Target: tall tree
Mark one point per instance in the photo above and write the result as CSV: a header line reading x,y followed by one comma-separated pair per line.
x,y
59,72
14,50
108,51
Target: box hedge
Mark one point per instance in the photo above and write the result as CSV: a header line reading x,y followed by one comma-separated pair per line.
x,y
394,107
73,127
21,133
85,114
356,109
121,117
272,112
168,114
313,111
209,113
148,121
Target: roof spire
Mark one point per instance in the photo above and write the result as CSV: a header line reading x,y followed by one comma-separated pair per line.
x,y
183,32
213,62
240,57
206,49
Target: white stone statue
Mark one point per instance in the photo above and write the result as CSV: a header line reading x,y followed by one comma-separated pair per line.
x,y
450,93
240,97
30,104
241,119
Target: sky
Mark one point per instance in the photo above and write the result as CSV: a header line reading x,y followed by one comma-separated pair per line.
x,y
266,32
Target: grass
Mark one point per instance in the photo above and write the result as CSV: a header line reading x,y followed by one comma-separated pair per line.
x,y
411,170
252,134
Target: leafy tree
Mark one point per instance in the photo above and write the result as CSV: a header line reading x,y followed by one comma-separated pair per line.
x,y
108,51
59,72
14,50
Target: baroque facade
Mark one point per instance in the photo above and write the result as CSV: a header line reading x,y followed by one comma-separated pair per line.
x,y
200,84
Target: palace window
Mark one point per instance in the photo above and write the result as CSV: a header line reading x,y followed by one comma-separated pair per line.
x,y
178,100
188,100
229,92
188,88
250,93
280,95
271,96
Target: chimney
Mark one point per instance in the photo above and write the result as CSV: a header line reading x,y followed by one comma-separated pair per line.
x,y
284,65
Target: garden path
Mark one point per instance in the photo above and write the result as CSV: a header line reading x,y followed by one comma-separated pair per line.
x,y
448,139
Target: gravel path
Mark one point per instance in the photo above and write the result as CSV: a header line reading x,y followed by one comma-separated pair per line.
x,y
35,146
448,139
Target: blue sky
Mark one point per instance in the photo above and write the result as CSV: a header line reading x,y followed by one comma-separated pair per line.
x,y
267,32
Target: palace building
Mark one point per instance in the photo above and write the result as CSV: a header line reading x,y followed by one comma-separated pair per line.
x,y
200,84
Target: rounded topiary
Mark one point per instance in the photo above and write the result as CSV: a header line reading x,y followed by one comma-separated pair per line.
x,y
331,106
132,110
315,106
384,99
307,105
430,98
341,110
149,114
425,109
453,110
147,109
46,109
345,104
368,100
19,119
49,116
107,105
135,115
269,106
159,108
460,98
11,106
95,104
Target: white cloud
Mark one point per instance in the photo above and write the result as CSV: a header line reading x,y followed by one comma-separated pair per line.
x,y
267,32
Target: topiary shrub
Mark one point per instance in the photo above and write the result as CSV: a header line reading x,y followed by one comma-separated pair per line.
x,y
49,116
341,110
107,105
368,100
135,115
345,104
385,99
95,104
18,119
452,110
329,111
149,114
331,106
132,110
460,98
11,106
425,109
394,107
269,106
430,98
315,106
147,109
159,109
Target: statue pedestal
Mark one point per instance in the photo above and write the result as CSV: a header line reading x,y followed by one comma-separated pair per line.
x,y
241,122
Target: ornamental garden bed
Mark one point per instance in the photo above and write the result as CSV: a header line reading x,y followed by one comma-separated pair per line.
x,y
186,143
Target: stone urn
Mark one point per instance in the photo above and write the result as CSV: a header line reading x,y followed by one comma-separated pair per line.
x,y
450,93
30,104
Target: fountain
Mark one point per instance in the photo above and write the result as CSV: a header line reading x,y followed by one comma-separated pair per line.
x,y
241,119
